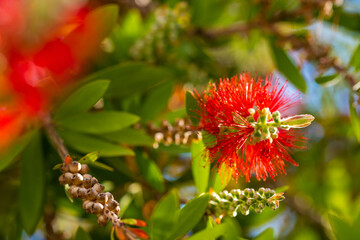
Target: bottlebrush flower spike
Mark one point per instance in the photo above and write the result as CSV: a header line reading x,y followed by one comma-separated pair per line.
x,y
243,127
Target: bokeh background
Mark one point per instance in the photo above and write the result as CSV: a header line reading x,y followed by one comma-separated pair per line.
x,y
156,52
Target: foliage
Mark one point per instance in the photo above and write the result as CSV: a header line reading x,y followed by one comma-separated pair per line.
x,y
116,79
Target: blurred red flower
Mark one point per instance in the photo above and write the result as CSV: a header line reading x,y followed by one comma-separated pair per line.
x,y
242,116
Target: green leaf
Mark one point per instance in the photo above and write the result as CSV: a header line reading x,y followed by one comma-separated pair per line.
x,y
90,157
354,118
99,122
192,108
86,143
355,59
82,99
208,139
156,101
32,185
342,229
286,66
229,229
68,195
190,215
15,149
268,234
130,136
200,166
282,189
218,183
150,171
81,234
325,79
164,216
102,166
130,78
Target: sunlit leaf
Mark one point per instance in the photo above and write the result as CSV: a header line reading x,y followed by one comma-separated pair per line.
x,y
355,58
200,166
355,121
192,108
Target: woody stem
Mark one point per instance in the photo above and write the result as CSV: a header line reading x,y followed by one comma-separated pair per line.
x,y
54,136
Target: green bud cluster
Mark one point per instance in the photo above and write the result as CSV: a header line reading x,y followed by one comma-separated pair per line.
x,y
163,34
243,201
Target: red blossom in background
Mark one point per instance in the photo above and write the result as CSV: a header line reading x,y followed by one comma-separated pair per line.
x,y
35,75
244,117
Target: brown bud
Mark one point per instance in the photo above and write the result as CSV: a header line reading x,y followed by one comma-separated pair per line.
x,y
97,208
91,194
117,210
77,179
82,192
102,220
62,179
68,177
89,206
85,203
74,191
110,196
98,187
84,169
102,198
112,205
74,167
64,168
87,182
94,181
87,176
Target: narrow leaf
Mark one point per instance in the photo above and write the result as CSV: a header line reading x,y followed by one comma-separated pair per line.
x,y
298,121
192,108
219,181
200,166
130,136
99,122
164,216
189,217
286,66
86,143
82,99
355,59
325,79
354,118
90,157
32,185
134,222
150,171
81,234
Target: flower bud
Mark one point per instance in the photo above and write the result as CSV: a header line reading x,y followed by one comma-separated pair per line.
x,y
87,182
62,179
74,167
64,168
98,187
97,208
81,192
84,169
85,203
77,179
91,194
68,177
102,198
88,206
297,121
102,220
74,191
112,205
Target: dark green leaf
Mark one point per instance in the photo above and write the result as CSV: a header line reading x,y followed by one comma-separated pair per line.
x,y
192,108
190,215
268,234
130,136
82,99
86,143
150,171
130,78
164,216
14,150
282,189
229,229
200,166
354,118
57,166
342,229
286,66
355,59
81,234
32,185
99,122
156,101
325,79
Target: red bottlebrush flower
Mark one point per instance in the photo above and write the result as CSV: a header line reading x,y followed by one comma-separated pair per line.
x,y
248,134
